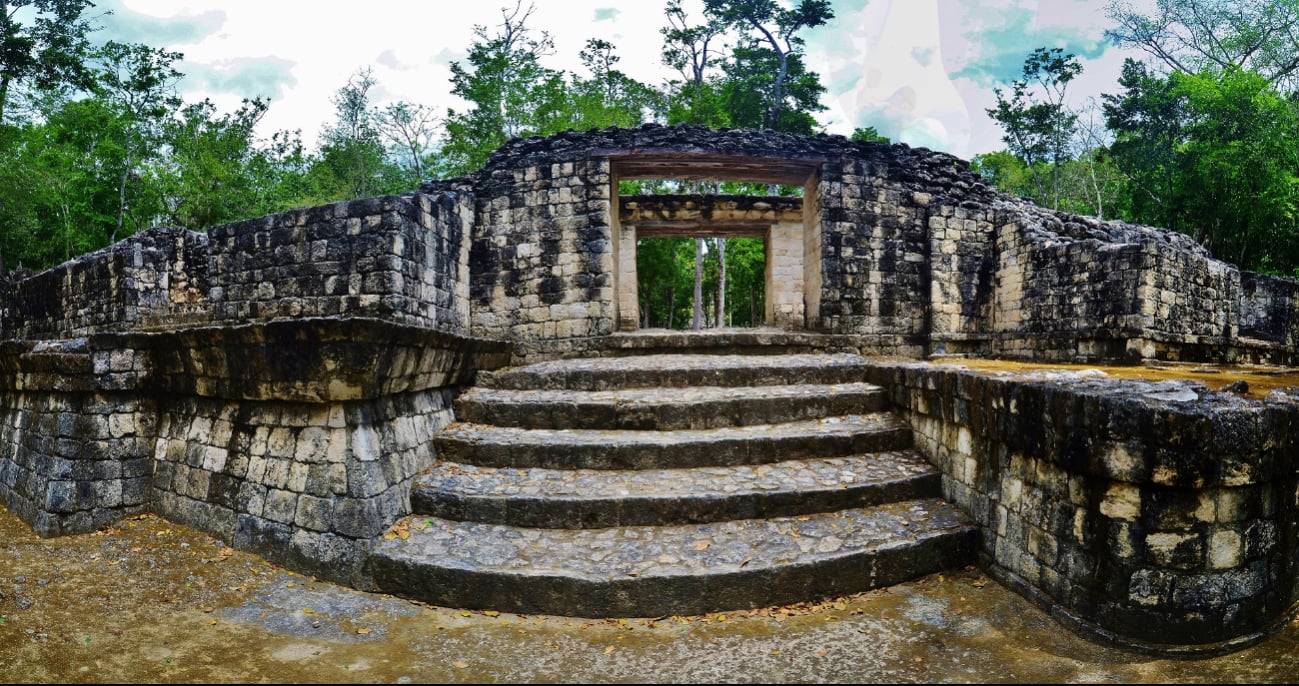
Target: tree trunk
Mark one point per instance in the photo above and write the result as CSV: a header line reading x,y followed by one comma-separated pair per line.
x,y
753,308
721,282
672,306
697,322
4,96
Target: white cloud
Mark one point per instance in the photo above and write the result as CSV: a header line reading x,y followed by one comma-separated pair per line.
x,y
886,62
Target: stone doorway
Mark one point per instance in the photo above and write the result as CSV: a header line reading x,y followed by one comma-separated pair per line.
x,y
789,226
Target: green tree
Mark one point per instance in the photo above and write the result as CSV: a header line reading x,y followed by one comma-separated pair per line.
x,y
1212,155
352,161
770,59
1240,168
410,131
216,169
662,266
509,91
747,91
608,97
139,81
48,52
1148,119
695,51
868,135
1038,128
1193,36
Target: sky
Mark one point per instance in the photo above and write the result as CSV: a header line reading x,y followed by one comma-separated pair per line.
x,y
920,71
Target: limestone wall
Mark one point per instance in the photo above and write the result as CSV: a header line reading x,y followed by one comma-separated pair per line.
x,y
874,258
541,260
155,277
74,450
296,439
275,382
1157,514
399,258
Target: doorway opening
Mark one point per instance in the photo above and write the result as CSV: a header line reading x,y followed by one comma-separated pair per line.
x,y
762,214
732,281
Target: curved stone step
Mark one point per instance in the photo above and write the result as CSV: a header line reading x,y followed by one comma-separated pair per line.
x,y
593,499
656,571
665,409
498,446
676,371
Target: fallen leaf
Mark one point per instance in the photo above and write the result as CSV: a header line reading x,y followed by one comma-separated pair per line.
x,y
608,650
459,665
308,611
491,613
364,630
702,545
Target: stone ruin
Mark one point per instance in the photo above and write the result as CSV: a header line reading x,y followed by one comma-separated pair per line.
x,y
283,382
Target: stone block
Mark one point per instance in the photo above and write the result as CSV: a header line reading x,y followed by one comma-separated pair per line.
x,y
280,506
314,513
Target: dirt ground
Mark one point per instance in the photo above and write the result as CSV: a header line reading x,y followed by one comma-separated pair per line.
x,y
151,601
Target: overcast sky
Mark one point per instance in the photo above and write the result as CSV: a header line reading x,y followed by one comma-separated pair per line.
x,y
920,71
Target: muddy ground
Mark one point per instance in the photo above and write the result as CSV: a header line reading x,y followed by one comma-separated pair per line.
x,y
154,602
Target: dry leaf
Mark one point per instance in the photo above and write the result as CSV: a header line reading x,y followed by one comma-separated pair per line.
x,y
608,650
702,545
459,665
364,630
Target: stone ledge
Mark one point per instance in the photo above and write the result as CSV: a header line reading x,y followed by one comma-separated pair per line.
x,y
308,360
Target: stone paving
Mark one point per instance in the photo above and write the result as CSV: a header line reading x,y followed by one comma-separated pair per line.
x,y
497,446
592,498
680,370
666,409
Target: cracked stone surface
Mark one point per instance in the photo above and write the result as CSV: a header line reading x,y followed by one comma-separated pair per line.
x,y
647,571
496,446
666,408
589,498
649,371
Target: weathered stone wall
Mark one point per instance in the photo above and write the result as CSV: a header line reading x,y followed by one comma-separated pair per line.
x,y
1268,309
1062,299
962,258
874,258
541,261
1154,513
353,312
73,455
155,277
399,258
904,248
297,439
305,485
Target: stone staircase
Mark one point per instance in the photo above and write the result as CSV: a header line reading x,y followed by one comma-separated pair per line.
x,y
643,486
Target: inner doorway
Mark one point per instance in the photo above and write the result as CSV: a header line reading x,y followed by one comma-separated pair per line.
x,y
728,291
